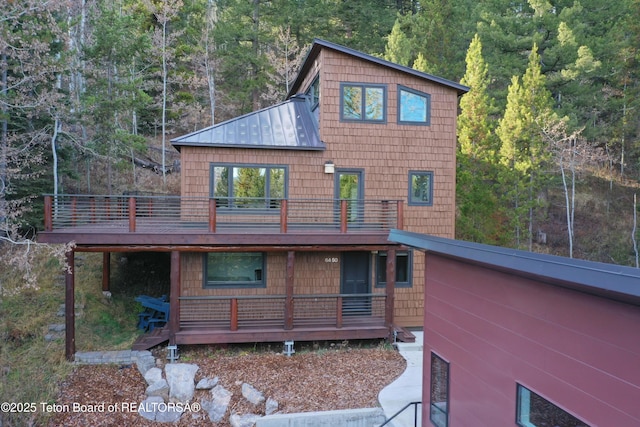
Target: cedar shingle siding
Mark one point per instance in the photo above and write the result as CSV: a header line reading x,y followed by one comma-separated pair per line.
x,y
386,152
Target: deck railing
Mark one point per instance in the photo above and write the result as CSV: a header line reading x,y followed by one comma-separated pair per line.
x,y
234,313
148,213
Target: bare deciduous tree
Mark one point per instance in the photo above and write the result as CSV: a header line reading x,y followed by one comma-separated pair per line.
x,y
572,154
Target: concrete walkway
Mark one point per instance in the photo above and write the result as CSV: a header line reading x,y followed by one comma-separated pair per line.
x,y
406,388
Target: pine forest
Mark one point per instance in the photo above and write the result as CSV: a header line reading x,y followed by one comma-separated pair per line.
x,y
92,91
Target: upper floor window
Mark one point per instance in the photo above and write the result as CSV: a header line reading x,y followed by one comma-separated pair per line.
x,y
313,95
421,188
363,102
413,107
248,186
536,411
439,395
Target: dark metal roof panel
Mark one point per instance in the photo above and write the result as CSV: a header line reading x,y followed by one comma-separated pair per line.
x,y
318,44
611,281
289,125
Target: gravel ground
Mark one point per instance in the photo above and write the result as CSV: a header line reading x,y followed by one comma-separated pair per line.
x,y
336,377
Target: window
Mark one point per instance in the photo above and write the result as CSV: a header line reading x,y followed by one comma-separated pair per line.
x,y
413,107
420,188
403,269
313,95
248,186
234,270
365,103
535,411
439,396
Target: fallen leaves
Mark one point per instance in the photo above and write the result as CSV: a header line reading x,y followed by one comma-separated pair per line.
x,y
323,380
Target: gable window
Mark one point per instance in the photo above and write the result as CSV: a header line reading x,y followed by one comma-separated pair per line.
x,y
413,107
535,411
234,270
363,102
403,269
421,188
439,395
313,95
248,186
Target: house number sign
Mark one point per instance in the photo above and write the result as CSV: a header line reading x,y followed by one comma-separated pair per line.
x,y
331,259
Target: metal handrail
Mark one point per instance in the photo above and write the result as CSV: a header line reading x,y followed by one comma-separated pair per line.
x,y
133,212
415,414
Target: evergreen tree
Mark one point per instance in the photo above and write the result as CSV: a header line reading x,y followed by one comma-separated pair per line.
x,y
114,97
523,153
398,47
476,157
474,128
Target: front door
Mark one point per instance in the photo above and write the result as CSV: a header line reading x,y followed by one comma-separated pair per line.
x,y
356,279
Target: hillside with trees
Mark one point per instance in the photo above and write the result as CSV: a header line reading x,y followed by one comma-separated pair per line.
x,y
91,91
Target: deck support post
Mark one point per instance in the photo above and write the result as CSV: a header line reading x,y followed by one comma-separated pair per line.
x,y
69,307
174,295
390,288
400,220
106,271
339,306
288,303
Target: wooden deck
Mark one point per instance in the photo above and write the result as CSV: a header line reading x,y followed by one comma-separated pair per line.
x,y
175,221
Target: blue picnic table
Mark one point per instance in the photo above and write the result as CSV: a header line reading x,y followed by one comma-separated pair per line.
x,y
155,312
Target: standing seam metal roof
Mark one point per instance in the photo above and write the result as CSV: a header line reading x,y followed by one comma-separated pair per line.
x,y
288,125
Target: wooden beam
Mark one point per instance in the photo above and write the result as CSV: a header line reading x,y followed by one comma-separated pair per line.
x,y
132,214
69,308
272,335
339,306
390,289
174,294
288,302
234,248
106,271
202,238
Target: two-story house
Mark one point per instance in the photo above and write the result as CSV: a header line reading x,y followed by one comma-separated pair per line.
x,y
281,229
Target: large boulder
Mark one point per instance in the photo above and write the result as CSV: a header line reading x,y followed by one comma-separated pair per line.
x,y
153,375
217,406
207,383
251,394
159,388
181,379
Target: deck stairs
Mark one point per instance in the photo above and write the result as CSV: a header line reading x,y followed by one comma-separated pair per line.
x,y
151,339
403,334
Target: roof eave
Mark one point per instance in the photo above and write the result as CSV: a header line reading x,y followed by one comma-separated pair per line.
x,y
318,44
609,281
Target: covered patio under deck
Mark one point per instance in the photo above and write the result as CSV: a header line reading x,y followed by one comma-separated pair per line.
x,y
261,318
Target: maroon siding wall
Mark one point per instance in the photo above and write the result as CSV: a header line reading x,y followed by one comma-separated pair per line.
x,y
580,352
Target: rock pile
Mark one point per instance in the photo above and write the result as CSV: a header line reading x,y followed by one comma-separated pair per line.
x,y
170,393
